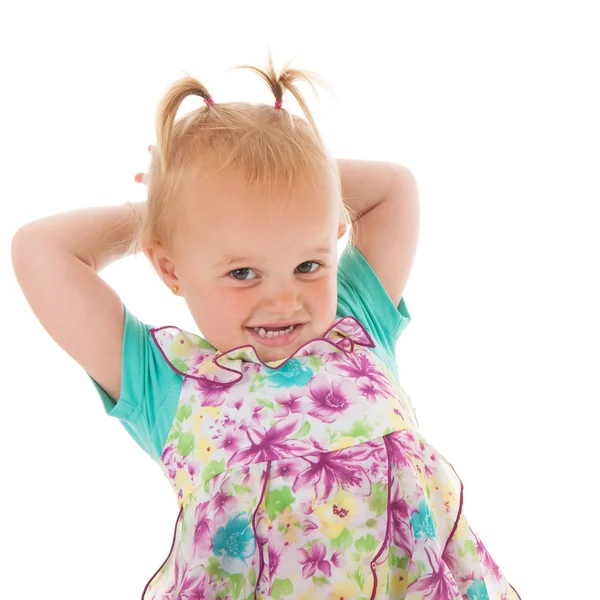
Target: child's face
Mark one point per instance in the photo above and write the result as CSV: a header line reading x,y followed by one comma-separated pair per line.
x,y
277,280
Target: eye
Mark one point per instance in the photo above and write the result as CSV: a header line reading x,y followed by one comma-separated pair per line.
x,y
236,272
310,262
239,271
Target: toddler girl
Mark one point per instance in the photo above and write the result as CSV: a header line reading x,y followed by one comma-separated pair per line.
x,y
295,455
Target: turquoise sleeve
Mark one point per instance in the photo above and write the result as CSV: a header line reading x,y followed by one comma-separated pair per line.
x,y
149,388
362,295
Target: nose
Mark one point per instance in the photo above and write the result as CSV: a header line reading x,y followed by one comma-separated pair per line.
x,y
282,299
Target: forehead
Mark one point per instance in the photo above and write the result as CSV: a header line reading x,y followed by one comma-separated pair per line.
x,y
228,218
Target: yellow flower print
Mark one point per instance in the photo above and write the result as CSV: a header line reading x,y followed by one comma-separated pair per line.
x,y
345,589
289,525
182,480
197,419
181,346
343,442
205,448
334,514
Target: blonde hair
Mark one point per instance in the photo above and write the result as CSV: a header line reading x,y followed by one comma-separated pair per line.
x,y
267,142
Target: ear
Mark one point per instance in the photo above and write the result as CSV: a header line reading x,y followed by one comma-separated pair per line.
x,y
163,265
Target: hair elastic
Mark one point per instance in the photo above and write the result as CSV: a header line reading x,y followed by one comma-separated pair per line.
x,y
209,100
278,103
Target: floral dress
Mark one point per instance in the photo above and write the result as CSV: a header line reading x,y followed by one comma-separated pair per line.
x,y
310,480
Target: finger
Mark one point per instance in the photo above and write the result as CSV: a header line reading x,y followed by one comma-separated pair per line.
x,y
149,148
140,178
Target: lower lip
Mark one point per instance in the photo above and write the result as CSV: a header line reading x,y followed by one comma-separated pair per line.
x,y
280,340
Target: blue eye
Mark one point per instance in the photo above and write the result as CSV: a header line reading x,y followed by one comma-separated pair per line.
x,y
310,262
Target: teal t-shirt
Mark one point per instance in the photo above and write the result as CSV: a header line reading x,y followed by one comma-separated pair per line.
x,y
150,389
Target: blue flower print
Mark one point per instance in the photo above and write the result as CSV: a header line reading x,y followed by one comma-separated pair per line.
x,y
478,590
290,374
235,543
422,521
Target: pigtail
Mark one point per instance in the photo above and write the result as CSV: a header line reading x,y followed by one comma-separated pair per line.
x,y
285,80
167,111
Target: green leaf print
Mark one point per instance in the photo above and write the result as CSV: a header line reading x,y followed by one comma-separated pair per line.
x,y
366,544
186,443
420,568
214,467
241,489
378,499
468,548
252,576
266,403
175,431
180,365
360,429
359,578
183,412
278,501
342,541
320,580
305,429
281,587
237,584
371,523
315,362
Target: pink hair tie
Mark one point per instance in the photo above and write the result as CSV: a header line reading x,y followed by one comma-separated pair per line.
x,y
209,100
278,103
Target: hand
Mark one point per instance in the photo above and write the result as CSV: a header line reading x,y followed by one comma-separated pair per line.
x,y
141,177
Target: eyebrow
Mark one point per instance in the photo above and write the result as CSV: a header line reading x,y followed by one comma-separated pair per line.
x,y
229,260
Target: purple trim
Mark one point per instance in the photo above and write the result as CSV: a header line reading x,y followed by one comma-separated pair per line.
x,y
340,346
462,487
170,552
257,541
157,344
515,591
386,539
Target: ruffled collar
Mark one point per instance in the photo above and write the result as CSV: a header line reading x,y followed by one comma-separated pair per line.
x,y
192,356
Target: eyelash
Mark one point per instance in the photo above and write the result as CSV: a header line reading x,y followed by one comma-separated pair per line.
x,y
308,262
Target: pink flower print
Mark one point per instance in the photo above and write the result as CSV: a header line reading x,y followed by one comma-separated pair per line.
x,y
187,586
336,559
358,366
369,391
309,526
400,446
401,530
202,531
341,468
171,460
439,585
291,402
197,357
230,442
223,504
272,444
329,398
285,469
486,559
314,560
212,392
256,413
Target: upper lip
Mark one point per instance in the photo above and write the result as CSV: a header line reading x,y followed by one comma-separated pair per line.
x,y
277,325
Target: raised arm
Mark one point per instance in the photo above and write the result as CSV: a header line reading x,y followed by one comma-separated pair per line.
x,y
56,261
386,198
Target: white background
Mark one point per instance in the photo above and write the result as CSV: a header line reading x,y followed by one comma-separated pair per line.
x,y
493,107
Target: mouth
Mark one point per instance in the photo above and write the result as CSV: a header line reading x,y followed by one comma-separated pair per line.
x,y
280,337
